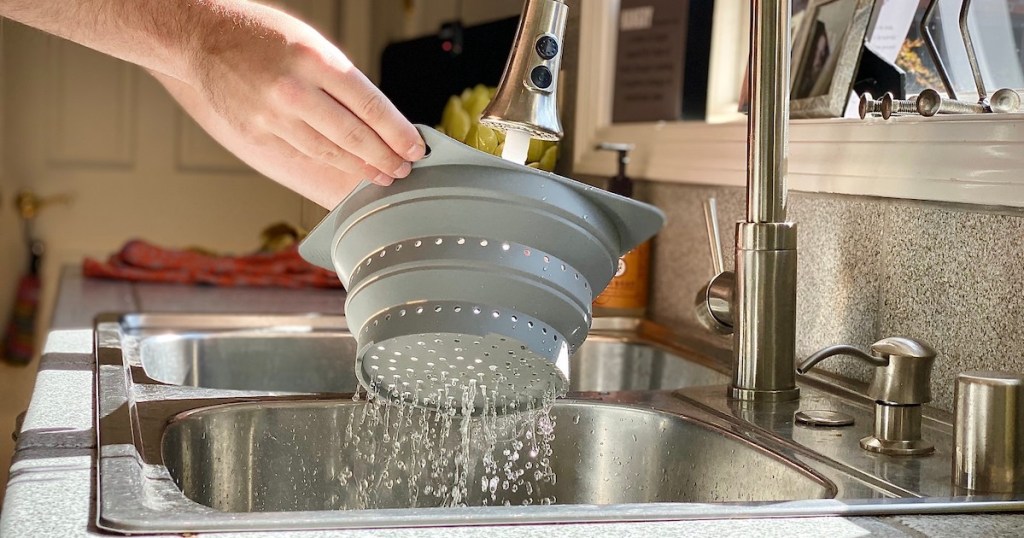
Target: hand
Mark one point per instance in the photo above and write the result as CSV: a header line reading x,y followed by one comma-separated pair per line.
x,y
316,181
277,82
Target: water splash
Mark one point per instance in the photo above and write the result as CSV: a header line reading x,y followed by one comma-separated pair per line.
x,y
399,456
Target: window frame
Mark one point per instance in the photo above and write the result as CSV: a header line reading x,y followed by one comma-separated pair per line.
x,y
975,159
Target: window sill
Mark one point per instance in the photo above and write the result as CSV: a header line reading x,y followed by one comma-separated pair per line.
x,y
965,159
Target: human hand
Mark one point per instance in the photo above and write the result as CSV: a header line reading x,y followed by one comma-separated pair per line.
x,y
272,157
277,82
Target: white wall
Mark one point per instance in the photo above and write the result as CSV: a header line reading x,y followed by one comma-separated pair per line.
x,y
16,382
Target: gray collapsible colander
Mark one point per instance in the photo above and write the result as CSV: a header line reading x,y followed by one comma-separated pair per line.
x,y
470,282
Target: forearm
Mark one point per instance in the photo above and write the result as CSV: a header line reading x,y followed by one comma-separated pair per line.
x,y
273,158
160,35
266,85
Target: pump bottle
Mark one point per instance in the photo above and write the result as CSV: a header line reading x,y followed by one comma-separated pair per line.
x,y
626,294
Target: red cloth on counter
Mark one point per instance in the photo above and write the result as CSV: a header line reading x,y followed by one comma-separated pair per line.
x,y
140,261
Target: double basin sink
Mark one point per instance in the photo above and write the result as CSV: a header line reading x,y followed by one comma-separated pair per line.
x,y
212,423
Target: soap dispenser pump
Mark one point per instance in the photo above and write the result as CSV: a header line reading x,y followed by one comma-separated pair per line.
x,y
626,294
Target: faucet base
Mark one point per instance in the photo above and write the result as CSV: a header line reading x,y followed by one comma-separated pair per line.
x,y
764,341
896,448
751,395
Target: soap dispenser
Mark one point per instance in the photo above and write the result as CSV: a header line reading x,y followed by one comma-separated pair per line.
x,y
626,294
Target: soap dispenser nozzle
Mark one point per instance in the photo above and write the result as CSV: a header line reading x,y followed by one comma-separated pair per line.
x,y
620,183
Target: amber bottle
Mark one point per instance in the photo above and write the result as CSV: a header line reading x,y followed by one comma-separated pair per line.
x,y
626,294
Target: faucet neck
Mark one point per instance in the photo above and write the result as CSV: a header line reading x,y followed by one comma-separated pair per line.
x,y
768,126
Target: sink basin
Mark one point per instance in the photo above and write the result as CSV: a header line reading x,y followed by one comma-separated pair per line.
x,y
212,423
608,364
293,456
324,362
286,362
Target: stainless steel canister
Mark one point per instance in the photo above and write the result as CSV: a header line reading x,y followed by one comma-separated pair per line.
x,y
988,455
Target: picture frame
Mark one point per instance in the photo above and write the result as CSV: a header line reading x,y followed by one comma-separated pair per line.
x,y
798,9
827,49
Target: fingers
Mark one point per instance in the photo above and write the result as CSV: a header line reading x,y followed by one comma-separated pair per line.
x,y
354,91
313,144
341,126
333,113
315,180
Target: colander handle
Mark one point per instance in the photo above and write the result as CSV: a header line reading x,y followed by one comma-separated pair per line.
x,y
443,150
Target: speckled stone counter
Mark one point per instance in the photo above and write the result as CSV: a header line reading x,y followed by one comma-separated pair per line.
x,y
868,268
52,490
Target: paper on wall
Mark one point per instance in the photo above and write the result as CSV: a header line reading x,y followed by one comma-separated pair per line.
x,y
892,24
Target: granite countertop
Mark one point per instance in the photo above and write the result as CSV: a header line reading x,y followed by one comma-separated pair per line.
x,y
51,489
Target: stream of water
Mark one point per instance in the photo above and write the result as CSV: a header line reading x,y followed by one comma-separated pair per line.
x,y
401,456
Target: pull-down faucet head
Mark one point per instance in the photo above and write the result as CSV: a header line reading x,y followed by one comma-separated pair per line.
x,y
527,95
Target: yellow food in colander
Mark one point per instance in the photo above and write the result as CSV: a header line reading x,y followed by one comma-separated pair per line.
x,y
461,121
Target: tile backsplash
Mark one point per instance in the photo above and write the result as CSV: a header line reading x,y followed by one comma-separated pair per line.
x,y
869,268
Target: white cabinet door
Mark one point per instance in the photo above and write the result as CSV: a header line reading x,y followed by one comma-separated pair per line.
x,y
12,251
15,381
101,130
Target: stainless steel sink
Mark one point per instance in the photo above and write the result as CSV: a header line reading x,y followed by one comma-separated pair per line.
x,y
242,360
231,458
612,359
213,423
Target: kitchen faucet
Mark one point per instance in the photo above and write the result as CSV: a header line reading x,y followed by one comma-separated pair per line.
x,y
757,301
763,300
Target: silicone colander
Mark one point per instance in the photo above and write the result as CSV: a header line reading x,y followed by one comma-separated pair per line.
x,y
470,282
